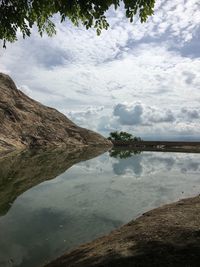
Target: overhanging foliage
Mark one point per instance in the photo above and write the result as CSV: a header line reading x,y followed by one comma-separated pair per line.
x,y
23,14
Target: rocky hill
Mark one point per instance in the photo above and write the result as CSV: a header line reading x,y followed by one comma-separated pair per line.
x,y
25,123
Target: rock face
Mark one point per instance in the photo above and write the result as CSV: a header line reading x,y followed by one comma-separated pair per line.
x,y
25,123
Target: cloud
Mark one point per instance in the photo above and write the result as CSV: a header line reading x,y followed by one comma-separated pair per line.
x,y
190,114
154,123
128,116
140,114
158,116
189,77
149,122
154,65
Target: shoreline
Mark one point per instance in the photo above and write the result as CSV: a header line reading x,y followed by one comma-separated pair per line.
x,y
159,146
172,150
165,236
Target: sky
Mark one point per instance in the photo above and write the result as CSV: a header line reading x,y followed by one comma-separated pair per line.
x,y
140,78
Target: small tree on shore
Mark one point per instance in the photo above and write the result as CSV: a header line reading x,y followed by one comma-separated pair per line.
x,y
123,136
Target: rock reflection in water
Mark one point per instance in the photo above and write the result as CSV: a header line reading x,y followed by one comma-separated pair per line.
x,y
20,172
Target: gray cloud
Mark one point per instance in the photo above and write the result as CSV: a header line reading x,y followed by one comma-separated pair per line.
x,y
139,114
157,116
50,58
128,116
189,77
191,114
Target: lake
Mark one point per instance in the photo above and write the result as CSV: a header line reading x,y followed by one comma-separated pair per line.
x,y
51,202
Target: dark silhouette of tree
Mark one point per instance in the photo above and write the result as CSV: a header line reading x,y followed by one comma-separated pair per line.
x,y
22,15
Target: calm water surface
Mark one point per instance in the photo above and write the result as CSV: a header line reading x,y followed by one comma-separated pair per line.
x,y
83,201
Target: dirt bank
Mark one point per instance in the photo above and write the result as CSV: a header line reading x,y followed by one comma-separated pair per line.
x,y
166,236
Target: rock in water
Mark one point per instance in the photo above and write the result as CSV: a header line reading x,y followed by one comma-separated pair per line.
x,y
25,123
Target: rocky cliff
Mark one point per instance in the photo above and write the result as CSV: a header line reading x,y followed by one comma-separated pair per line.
x,y
25,123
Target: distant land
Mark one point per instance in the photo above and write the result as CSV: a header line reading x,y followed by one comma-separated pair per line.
x,y
165,146
125,140
180,138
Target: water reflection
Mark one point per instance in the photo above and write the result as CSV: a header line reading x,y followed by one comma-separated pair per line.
x,y
19,172
125,165
127,161
123,154
167,161
88,200
135,161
